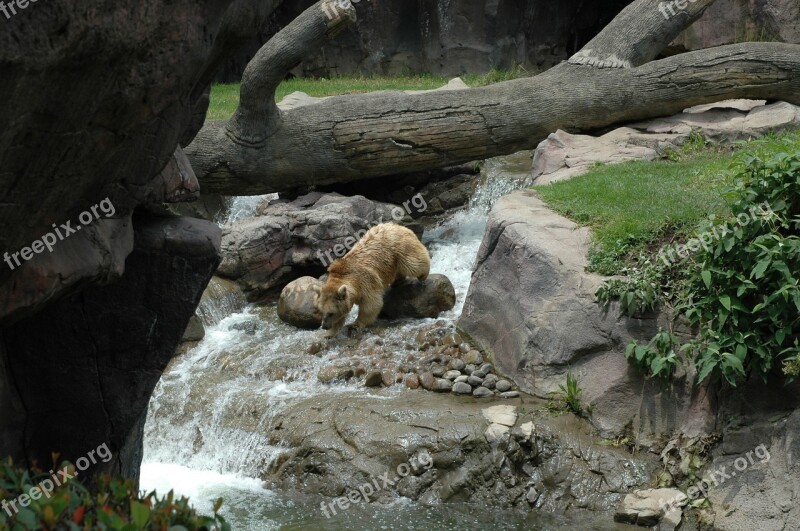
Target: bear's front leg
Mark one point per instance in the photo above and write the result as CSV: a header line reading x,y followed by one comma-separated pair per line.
x,y
334,329
368,312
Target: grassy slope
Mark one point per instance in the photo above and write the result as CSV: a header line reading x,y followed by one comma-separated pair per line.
x,y
634,206
225,98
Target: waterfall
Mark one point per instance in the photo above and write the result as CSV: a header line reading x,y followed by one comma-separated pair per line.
x,y
204,436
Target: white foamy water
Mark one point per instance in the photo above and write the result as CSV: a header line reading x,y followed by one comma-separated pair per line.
x,y
204,434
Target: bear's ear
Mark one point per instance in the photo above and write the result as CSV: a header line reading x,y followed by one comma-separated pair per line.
x,y
342,292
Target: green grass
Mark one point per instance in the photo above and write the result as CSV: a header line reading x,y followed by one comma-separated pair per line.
x,y
636,206
225,97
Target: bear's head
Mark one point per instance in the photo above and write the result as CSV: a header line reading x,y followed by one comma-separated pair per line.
x,y
333,304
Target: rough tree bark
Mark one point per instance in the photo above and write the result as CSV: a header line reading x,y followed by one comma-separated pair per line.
x,y
613,79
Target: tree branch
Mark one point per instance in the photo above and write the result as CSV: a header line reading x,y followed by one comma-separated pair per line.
x,y
639,33
257,116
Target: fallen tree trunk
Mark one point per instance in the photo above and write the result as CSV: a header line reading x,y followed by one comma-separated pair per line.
x,y
348,138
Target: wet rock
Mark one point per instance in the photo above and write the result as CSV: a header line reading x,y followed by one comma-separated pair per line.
x,y
473,357
469,369
475,380
510,394
462,379
490,381
497,433
464,348
504,415
288,239
452,375
331,373
456,365
419,299
427,381
482,392
523,432
438,371
297,303
388,377
373,379
462,388
646,508
442,385
503,386
195,331
249,327
412,381
315,348
486,368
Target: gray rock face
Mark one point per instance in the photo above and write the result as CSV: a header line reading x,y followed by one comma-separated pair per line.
x,y
134,327
335,443
289,239
411,298
532,305
448,38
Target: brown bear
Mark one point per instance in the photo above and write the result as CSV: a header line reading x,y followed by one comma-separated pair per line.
x,y
386,253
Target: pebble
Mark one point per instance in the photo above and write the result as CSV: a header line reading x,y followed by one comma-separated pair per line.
x,y
482,392
442,385
452,375
373,379
427,381
388,377
315,348
475,380
479,374
360,371
330,373
438,371
510,394
412,381
503,385
486,368
457,365
490,381
464,348
469,369
461,388
473,357
462,379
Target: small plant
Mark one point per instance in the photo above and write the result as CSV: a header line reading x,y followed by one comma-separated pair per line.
x,y
571,394
659,358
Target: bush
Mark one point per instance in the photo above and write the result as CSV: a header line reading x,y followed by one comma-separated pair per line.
x,y
113,504
741,290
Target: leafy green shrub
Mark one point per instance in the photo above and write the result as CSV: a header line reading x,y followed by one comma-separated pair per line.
x,y
745,291
659,358
113,504
741,289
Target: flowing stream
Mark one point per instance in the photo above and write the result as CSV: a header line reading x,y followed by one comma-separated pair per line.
x,y
202,435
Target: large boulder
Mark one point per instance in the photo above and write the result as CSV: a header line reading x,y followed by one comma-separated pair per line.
x,y
80,372
532,305
297,305
420,299
289,239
